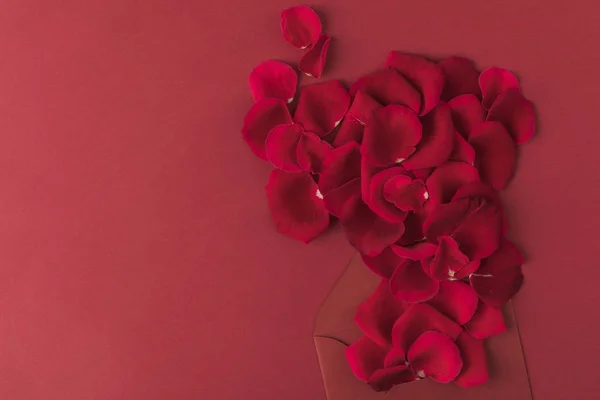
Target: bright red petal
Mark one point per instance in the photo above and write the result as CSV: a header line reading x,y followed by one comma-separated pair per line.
x,y
445,219
386,378
435,355
487,321
462,150
474,371
457,300
362,107
448,260
273,79
311,152
365,357
313,61
384,264
495,153
336,199
480,232
417,252
412,284
300,26
387,87
467,112
321,107
461,77
378,203
262,117
446,180
350,131
495,81
281,146
516,113
339,167
405,193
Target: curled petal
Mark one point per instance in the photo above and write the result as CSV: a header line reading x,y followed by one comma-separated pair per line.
x,y
412,284
462,151
446,180
273,79
405,193
444,219
386,378
457,300
416,252
394,358
295,204
311,152
365,357
350,131
264,115
480,232
300,26
474,371
336,199
339,167
461,77
467,112
436,356
384,264
377,200
448,260
495,153
363,107
495,81
387,87
516,113
487,321
281,146
321,107
313,61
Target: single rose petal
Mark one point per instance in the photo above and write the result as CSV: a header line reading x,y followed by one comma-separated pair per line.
x,y
300,26
417,252
444,219
478,189
365,230
435,356
412,284
474,371
363,107
487,321
386,378
384,264
295,204
264,115
313,61
424,74
391,135
516,113
378,203
448,260
339,167
311,152
446,180
321,107
350,131
467,112
480,232
457,300
462,150
499,277
378,313
405,193
437,143
495,81
336,199
413,224
461,77
395,357
365,357
495,153
387,87
281,146
273,79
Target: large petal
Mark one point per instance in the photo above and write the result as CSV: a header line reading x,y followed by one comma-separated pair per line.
x,y
424,74
445,219
448,260
311,152
457,300
480,232
313,61
300,26
281,146
462,151
384,264
336,199
391,135
296,205
487,321
386,378
363,107
495,81
516,113
405,193
339,167
435,356
388,86
378,202
350,131
444,182
264,115
472,352
461,77
467,112
322,106
273,79
365,357
412,284
495,153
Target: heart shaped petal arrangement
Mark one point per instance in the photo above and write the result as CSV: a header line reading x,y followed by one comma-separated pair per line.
x,y
409,159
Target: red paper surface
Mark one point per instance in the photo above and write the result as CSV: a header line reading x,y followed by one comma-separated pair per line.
x,y
139,260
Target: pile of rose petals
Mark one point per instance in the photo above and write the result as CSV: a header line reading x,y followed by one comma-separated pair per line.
x,y
409,159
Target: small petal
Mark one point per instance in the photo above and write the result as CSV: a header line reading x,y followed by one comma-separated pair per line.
x,y
462,150
457,300
386,378
495,154
384,264
350,131
295,206
474,371
339,167
417,252
405,193
365,357
264,115
436,356
300,26
488,321
281,146
378,203
448,260
311,152
273,79
444,219
461,77
495,81
387,87
446,180
313,61
363,107
336,199
321,107
412,284
467,112
516,113
480,232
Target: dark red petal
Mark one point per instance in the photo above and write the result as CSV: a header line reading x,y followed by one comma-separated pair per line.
x,y
467,269
377,314
417,319
457,300
386,378
366,231
480,232
462,150
435,355
405,193
413,224
516,113
425,75
311,152
412,284
478,189
391,136
295,204
495,81
313,61
378,203
487,321
336,199
264,115
445,219
447,179
495,153
448,260
417,252
350,131
423,173
366,174
437,143
395,357
384,264
499,277
467,112
474,371
388,86
365,357
461,77
273,79
339,167
362,107
300,26
281,146
322,106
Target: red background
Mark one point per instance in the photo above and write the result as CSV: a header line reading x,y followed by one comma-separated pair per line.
x,y
139,260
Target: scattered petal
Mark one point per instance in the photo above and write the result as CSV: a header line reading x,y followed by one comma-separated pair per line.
x,y
387,87
311,152
480,232
487,321
350,131
412,284
474,371
495,81
313,61
377,200
321,107
339,167
405,193
516,113
273,79
462,150
481,190
467,112
414,228
461,77
384,264
300,26
367,171
495,153
394,358
365,357
336,199
457,300
467,270
446,180
444,219
448,260
281,146
417,252
386,378
363,107
435,355
264,115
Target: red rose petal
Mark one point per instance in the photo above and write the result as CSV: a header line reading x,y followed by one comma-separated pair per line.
x,y
262,117
412,284
395,357
467,112
417,252
487,321
367,171
448,260
386,378
478,189
444,219
295,204
387,87
273,79
446,180
425,75
423,173
462,150
313,61
311,152
437,143
495,81
435,355
516,113
474,371
336,199
281,146
480,232
467,269
339,167
384,264
391,136
417,319
350,131
365,357
495,153
405,193
414,227
321,107
461,77
377,314
499,277
363,107
300,26
457,300
378,203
